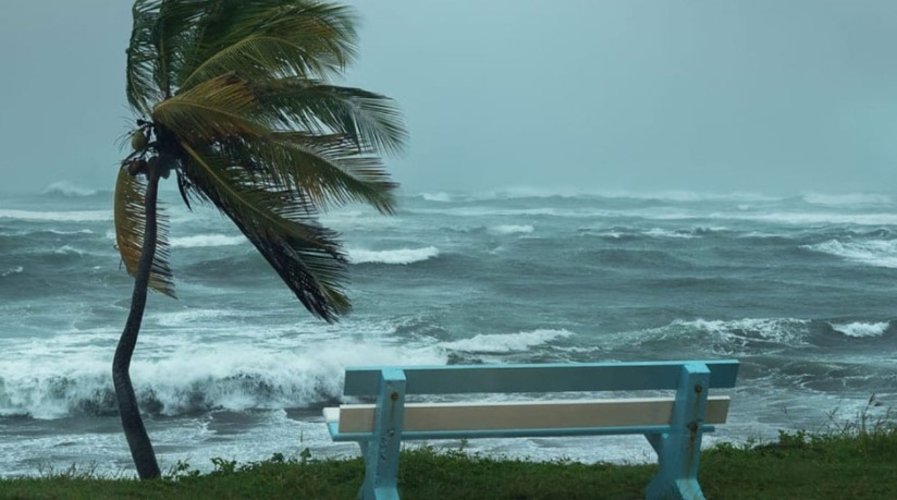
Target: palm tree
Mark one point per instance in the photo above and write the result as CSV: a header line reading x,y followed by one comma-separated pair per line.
x,y
233,97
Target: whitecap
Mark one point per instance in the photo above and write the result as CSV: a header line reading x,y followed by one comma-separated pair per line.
x,y
484,211
69,233
512,229
11,271
572,192
188,317
663,233
397,256
809,218
71,216
438,197
67,189
860,329
506,342
69,250
53,382
880,253
786,331
848,199
207,240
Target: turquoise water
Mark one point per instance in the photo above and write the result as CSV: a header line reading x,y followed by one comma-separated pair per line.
x,y
801,290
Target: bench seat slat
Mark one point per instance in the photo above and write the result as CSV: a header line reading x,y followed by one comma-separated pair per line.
x,y
567,414
586,377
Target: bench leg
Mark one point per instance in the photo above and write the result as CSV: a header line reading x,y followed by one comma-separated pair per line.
x,y
679,451
381,454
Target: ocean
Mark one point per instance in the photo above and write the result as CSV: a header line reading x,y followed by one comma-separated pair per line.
x,y
802,290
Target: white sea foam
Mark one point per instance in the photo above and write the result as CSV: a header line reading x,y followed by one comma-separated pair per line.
x,y
666,213
786,331
861,329
69,250
439,197
11,271
72,216
397,256
808,218
664,233
485,211
573,192
59,380
207,240
189,317
509,342
512,229
880,253
69,233
656,232
849,199
689,196
65,188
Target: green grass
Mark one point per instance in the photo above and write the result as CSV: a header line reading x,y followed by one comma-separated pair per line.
x,y
853,463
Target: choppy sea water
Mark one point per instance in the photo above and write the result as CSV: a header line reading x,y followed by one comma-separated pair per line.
x,y
802,290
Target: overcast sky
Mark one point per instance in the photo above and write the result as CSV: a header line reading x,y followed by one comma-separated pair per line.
x,y
768,96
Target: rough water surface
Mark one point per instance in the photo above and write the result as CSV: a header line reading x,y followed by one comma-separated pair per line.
x,y
801,290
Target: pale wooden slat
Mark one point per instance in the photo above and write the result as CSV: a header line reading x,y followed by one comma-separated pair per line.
x,y
526,415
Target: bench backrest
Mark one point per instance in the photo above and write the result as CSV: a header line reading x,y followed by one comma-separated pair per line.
x,y
535,378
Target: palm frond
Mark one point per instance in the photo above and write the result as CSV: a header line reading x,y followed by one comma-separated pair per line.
x,y
130,224
328,169
306,256
142,88
371,120
221,107
236,94
172,36
264,37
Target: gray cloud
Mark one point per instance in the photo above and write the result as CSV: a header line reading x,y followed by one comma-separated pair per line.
x,y
759,95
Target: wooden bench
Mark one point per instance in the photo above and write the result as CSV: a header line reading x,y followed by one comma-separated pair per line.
x,y
673,425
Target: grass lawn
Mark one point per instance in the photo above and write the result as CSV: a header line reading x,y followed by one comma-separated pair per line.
x,y
797,466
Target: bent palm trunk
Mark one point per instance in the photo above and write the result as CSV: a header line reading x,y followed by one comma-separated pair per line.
x,y
138,440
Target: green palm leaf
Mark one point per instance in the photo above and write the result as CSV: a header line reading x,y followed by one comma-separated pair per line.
x,y
142,88
329,169
130,222
258,38
371,120
235,95
280,224
221,107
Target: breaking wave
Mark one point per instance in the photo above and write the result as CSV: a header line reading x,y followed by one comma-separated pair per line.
x,y
504,343
861,330
851,199
438,197
68,216
68,190
880,253
190,379
402,256
207,240
512,229
69,250
664,233
11,271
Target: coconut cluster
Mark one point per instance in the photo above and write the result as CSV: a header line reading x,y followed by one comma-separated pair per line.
x,y
137,163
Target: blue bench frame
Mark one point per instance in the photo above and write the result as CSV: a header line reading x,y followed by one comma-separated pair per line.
x,y
677,444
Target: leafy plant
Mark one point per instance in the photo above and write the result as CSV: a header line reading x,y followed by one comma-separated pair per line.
x,y
234,99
